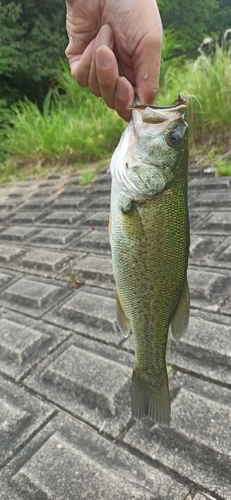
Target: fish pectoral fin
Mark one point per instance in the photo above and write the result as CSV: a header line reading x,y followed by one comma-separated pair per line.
x,y
122,319
180,320
149,401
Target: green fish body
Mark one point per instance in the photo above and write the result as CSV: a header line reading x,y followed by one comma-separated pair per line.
x,y
149,235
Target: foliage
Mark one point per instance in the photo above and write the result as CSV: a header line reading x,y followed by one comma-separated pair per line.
x,y
224,167
87,177
32,40
208,80
71,128
188,18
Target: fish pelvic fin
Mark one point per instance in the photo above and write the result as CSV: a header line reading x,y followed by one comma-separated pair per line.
x,y
180,319
122,319
150,401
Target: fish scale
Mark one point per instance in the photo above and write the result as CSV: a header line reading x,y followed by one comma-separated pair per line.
x,y
150,242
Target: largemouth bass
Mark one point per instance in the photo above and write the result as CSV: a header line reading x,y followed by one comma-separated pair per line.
x,y
149,236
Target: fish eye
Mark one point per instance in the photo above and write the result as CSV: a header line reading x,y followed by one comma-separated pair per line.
x,y
173,139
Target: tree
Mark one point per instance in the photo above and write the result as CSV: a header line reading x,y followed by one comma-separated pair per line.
x,y
32,40
189,19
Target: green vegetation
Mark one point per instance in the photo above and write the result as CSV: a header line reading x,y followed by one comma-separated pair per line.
x,y
224,167
207,80
48,121
73,127
32,41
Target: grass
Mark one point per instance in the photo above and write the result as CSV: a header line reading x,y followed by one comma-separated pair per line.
x,y
224,167
209,82
75,128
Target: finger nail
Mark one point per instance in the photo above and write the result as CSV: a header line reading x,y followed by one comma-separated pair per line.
x,y
106,35
103,57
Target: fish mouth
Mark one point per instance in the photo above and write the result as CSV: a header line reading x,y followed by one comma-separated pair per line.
x,y
151,114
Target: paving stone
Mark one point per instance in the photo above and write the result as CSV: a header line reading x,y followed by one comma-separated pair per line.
x,y
196,218
89,313
99,203
9,253
67,460
98,219
207,171
21,415
37,203
27,217
63,218
221,256
7,278
90,380
18,233
44,191
44,261
202,246
197,445
5,214
209,290
19,193
200,184
205,349
56,237
73,190
10,203
24,342
94,270
69,204
214,200
96,241
32,296
217,223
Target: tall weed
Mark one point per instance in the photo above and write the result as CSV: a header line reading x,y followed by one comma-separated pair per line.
x,y
209,81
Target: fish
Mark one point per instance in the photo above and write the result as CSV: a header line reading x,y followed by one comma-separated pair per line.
x,y
149,238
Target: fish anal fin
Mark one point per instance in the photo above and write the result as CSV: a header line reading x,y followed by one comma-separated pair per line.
x,y
180,319
122,319
149,401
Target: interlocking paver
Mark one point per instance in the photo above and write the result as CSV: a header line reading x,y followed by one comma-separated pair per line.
x,y
18,233
8,253
67,460
31,296
57,237
97,219
205,348
24,342
94,269
21,414
63,218
209,289
62,350
89,379
95,241
216,223
7,278
27,217
197,445
90,312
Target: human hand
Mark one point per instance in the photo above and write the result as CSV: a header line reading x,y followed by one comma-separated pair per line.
x,y
115,49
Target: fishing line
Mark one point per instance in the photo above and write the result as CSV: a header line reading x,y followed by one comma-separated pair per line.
x,y
202,128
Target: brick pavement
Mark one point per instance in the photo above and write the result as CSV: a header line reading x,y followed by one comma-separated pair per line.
x,y
65,370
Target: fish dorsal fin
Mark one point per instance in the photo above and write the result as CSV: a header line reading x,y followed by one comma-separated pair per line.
x,y
180,320
122,319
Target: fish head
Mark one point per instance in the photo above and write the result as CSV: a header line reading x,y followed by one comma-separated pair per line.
x,y
153,151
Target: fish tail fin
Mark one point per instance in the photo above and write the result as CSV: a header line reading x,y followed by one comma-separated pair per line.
x,y
149,401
